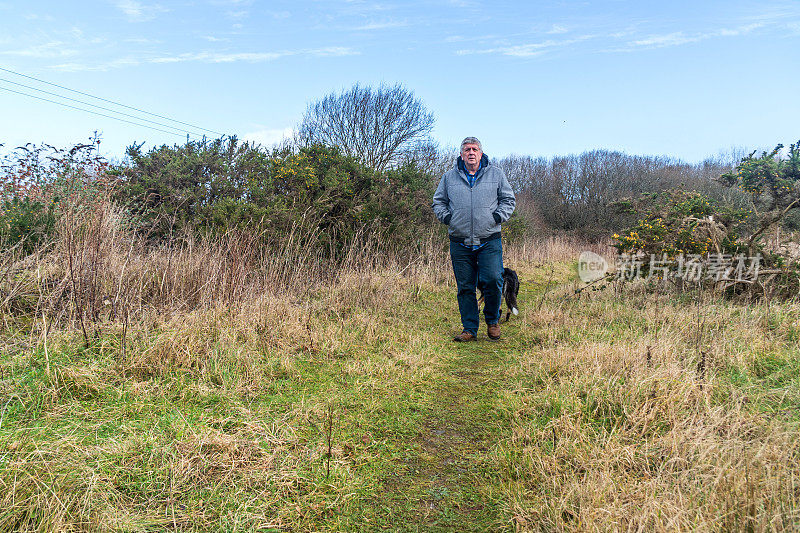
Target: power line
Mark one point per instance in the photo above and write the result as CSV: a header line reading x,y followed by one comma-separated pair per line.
x,y
100,107
90,111
109,101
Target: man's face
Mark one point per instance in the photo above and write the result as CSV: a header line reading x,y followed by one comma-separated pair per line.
x,y
471,154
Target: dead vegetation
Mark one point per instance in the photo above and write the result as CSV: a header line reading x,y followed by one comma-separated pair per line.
x,y
618,426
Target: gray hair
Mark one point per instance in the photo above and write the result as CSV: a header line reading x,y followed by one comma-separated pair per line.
x,y
472,140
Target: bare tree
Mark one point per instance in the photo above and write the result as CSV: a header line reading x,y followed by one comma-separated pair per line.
x,y
378,126
580,190
430,158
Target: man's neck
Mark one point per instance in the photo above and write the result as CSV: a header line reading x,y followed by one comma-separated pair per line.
x,y
472,169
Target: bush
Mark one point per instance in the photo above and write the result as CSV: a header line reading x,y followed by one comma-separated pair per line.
x,y
773,183
41,185
678,222
174,187
25,222
401,204
214,186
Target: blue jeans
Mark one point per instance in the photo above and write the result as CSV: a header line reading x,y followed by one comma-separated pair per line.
x,y
482,269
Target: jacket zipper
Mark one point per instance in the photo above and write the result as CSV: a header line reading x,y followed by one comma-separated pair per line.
x,y
472,206
472,213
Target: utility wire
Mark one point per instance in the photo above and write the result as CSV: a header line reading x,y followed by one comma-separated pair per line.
x,y
90,111
109,101
101,107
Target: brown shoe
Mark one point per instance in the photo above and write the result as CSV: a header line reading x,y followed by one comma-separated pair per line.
x,y
465,336
493,330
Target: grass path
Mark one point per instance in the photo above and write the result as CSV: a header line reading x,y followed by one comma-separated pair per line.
x,y
445,483
441,488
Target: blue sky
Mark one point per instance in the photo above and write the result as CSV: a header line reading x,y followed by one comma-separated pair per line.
x,y
684,79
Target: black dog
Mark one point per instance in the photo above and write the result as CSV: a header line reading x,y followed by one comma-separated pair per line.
x,y
510,292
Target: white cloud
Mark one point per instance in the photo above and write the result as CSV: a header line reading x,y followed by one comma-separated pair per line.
x,y
361,6
678,38
524,50
381,25
253,57
131,8
331,51
463,3
142,40
81,67
631,38
741,30
670,39
53,49
36,16
530,49
139,12
621,34
210,57
268,137
206,57
557,28
776,14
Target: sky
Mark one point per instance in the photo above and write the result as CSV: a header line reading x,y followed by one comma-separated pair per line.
x,y
685,79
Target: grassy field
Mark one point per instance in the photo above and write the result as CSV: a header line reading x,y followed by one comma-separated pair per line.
x,y
350,409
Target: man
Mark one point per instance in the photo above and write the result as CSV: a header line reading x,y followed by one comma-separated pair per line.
x,y
473,199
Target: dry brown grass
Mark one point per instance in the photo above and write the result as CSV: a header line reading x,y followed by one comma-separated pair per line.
x,y
553,249
100,270
627,430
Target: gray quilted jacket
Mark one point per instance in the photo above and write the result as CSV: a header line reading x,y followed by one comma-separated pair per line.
x,y
474,214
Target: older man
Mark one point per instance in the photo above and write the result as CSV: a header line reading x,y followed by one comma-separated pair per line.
x,y
473,199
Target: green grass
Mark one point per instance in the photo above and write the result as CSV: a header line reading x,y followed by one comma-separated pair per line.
x,y
218,420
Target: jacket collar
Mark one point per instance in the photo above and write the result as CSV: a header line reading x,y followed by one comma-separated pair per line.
x,y
484,163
